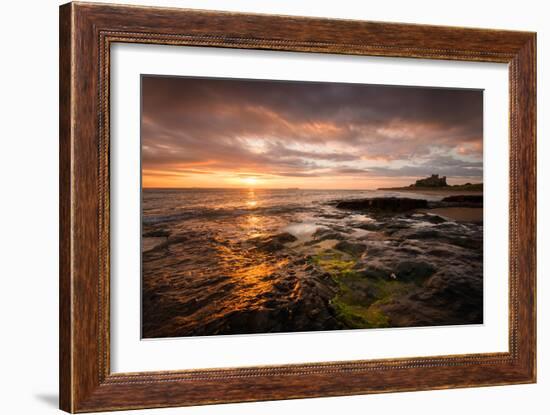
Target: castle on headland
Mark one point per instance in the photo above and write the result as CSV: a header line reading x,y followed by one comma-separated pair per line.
x,y
433,181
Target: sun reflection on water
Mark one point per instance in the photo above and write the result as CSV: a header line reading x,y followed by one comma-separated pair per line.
x,y
251,197
252,271
254,226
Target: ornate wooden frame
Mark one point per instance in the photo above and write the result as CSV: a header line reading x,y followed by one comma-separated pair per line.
x,y
86,33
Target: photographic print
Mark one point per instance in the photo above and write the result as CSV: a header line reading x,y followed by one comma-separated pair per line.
x,y
289,206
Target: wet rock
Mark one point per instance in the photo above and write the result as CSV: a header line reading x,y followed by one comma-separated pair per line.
x,y
176,239
451,227
442,251
153,244
423,233
377,249
300,261
470,201
259,319
276,242
325,234
374,268
408,248
447,298
393,227
370,226
284,238
156,233
320,232
283,285
384,204
350,248
462,292
414,271
333,215
431,218
466,242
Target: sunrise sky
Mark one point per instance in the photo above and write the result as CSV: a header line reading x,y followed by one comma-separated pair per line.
x,y
275,134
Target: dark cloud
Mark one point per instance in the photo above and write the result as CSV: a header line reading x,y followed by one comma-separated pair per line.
x,y
303,129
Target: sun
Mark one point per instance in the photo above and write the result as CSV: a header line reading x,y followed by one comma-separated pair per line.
x,y
250,181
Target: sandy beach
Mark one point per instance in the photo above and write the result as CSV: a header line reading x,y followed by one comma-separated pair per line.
x,y
459,214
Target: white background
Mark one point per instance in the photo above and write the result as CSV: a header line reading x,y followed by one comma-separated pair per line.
x,y
29,208
129,354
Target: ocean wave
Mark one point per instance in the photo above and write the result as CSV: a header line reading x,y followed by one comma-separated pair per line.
x,y
205,213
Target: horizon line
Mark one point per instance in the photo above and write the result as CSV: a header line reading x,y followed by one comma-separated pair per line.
x,y
295,188
242,188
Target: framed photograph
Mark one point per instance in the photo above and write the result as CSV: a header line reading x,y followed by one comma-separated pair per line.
x,y
260,207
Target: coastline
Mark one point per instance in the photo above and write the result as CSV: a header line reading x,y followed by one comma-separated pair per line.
x,y
432,191
309,261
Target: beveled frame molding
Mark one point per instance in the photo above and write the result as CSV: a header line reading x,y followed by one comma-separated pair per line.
x,y
86,33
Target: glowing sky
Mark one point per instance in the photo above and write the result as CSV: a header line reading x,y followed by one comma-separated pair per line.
x,y
276,134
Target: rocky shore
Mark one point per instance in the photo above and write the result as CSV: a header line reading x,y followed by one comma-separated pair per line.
x,y
403,204
427,270
354,263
